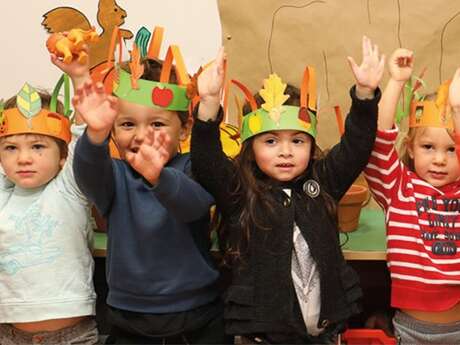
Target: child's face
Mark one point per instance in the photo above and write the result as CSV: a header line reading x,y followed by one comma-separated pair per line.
x,y
433,153
282,155
30,160
133,121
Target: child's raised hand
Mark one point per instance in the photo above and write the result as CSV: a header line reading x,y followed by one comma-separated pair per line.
x,y
210,83
401,64
454,95
370,72
78,72
97,109
151,156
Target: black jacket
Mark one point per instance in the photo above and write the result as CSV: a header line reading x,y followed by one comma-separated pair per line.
x,y
262,298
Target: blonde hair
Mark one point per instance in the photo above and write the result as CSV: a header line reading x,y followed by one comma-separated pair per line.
x,y
408,140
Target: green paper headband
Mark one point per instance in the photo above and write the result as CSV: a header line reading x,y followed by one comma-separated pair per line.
x,y
151,93
259,121
274,115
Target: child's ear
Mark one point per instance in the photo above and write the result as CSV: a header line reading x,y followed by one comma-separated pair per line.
x,y
410,149
185,129
62,162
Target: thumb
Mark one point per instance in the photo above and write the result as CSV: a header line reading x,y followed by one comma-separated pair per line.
x,y
353,65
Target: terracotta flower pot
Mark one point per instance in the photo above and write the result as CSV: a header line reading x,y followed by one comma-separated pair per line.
x,y
350,207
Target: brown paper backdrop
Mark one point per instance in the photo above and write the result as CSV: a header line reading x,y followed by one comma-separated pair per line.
x,y
323,33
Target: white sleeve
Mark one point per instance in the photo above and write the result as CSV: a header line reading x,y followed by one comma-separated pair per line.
x,y
66,180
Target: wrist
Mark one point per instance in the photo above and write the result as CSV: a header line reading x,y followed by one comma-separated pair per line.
x,y
208,108
97,137
364,92
79,81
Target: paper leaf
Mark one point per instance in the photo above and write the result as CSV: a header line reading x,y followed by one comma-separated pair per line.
x,y
142,40
28,101
255,123
2,107
273,93
135,66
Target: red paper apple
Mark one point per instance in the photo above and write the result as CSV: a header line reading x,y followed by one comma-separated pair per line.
x,y
162,97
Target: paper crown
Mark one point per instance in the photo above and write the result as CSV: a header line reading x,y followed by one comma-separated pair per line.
x,y
30,118
432,113
129,85
274,115
422,112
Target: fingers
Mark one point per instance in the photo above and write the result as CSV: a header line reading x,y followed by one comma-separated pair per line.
x,y
456,75
220,60
353,65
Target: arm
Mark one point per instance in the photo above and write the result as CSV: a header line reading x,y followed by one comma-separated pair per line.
x,y
78,73
338,170
181,195
454,99
92,164
400,66
210,166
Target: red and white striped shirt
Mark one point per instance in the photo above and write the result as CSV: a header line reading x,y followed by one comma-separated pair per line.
x,y
423,231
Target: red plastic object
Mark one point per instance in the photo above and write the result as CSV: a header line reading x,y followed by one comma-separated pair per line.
x,y
363,336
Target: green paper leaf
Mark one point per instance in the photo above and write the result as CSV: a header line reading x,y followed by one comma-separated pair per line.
x,y
142,40
2,108
28,101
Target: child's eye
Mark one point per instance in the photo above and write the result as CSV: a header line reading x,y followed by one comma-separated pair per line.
x,y
298,141
38,146
451,149
9,148
270,141
126,124
427,146
157,124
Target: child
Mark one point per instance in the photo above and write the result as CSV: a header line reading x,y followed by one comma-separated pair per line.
x,y
46,266
162,283
290,281
420,196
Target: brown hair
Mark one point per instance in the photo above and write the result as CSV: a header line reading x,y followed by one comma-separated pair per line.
x,y
46,101
152,71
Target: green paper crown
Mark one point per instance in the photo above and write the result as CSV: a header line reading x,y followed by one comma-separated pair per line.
x,y
274,116
151,93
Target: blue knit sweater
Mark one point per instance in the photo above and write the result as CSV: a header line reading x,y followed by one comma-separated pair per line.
x,y
157,252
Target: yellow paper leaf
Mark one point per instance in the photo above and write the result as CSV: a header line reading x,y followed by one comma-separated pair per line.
x,y
255,123
273,93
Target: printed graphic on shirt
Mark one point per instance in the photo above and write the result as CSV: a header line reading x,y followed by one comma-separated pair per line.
x,y
33,229
439,217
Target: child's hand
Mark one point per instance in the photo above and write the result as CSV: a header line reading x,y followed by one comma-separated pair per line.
x,y
401,64
97,109
152,155
210,83
78,72
454,93
370,72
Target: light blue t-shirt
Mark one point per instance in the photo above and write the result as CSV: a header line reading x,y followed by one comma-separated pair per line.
x,y
46,265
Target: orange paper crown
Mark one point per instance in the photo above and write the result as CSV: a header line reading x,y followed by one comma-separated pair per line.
x,y
30,118
432,113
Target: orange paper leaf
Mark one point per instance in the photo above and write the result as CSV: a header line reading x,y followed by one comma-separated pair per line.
x,y
135,66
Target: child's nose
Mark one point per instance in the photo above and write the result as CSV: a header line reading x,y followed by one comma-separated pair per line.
x,y
24,157
140,133
440,158
285,149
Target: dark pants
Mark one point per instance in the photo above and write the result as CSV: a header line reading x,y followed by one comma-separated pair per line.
x,y
203,325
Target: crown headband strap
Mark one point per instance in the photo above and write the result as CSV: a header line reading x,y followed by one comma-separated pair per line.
x,y
54,97
155,43
308,96
174,54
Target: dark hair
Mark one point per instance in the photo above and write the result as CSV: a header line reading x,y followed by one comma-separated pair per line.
x,y
252,190
152,71
46,101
